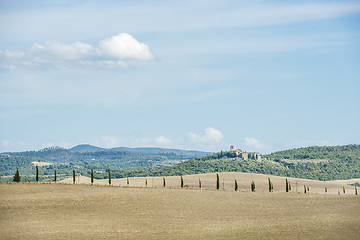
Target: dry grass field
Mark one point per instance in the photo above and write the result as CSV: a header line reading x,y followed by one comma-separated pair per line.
x,y
66,211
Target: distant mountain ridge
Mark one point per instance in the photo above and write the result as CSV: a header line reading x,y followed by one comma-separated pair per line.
x,y
91,148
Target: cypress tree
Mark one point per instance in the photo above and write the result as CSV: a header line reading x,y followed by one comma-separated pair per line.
x,y
289,186
308,188
181,182
127,181
145,182
92,176
37,173
109,178
17,176
344,190
355,190
304,189
271,187
325,189
73,176
55,175
217,181
164,184
200,184
286,185
236,185
252,186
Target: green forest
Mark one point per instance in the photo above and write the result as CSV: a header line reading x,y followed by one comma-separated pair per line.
x,y
318,163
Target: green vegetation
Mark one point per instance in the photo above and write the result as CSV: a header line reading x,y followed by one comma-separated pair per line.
x,y
164,184
92,176
109,178
271,186
200,184
217,181
181,182
37,173
54,175
286,185
73,176
236,185
17,176
252,186
318,163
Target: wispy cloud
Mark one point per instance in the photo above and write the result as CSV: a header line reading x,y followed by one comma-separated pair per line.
x,y
113,52
207,136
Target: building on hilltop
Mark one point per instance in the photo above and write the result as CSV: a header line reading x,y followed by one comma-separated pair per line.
x,y
245,155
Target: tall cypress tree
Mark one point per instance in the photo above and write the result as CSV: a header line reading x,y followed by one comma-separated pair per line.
x,y
270,185
304,189
289,186
145,182
236,185
325,189
55,175
199,183
37,173
17,176
286,185
73,176
355,190
127,181
217,181
164,184
181,182
253,186
109,178
92,176
344,190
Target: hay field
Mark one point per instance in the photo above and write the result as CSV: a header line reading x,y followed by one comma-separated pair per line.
x,y
227,182
66,211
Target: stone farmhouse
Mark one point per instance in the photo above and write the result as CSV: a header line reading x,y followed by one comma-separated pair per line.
x,y
245,155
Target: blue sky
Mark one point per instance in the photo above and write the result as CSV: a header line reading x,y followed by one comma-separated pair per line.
x,y
261,75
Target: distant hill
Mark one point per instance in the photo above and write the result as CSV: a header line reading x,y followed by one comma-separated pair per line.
x,y
87,147
86,157
318,163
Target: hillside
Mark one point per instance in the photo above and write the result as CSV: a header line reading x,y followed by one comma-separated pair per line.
x,y
319,163
86,157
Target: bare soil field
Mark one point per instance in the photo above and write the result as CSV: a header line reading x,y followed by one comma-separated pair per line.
x,y
227,182
67,211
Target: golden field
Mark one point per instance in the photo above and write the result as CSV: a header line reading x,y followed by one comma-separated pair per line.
x,y
67,211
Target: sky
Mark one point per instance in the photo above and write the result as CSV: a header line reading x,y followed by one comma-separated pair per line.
x,y
203,75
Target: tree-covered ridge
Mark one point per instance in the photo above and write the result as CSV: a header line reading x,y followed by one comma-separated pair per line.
x,y
315,152
64,160
343,163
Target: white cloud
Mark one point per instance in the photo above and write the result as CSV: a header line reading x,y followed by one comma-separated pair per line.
x,y
111,53
252,143
109,142
124,46
207,136
163,141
